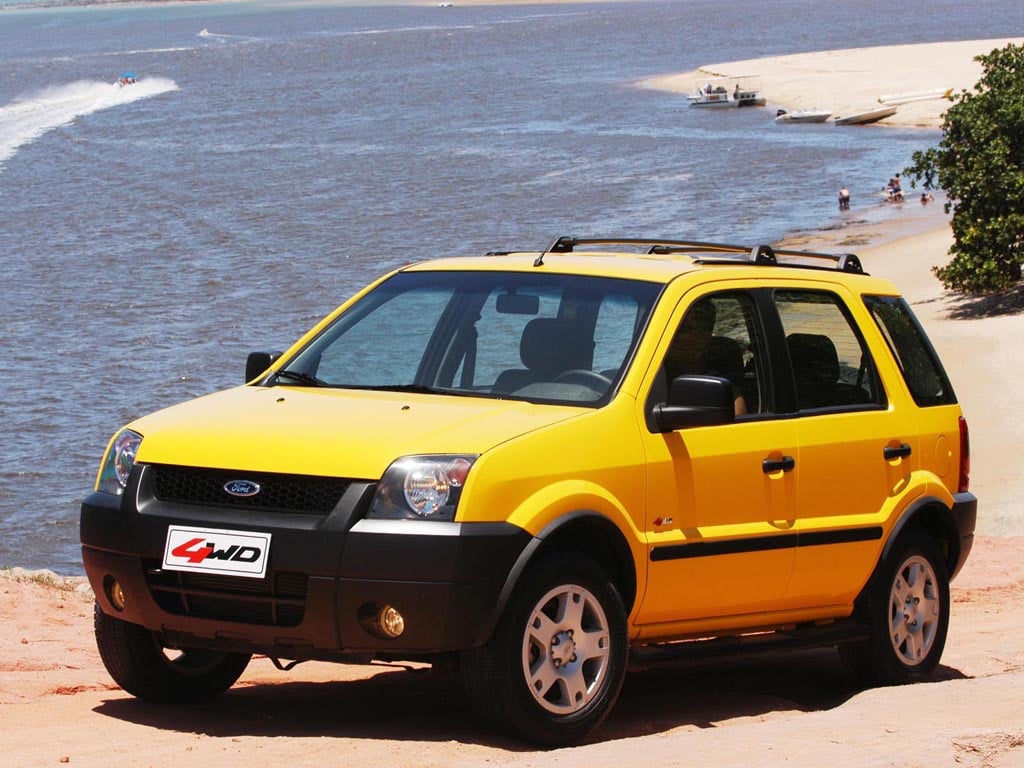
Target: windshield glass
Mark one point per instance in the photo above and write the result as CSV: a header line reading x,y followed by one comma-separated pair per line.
x,y
539,337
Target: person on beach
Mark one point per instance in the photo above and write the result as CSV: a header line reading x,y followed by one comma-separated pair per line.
x,y
893,193
844,199
926,197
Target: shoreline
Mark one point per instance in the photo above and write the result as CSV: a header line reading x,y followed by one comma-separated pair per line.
x,y
851,80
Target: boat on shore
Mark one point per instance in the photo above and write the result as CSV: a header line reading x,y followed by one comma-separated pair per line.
x,y
869,116
802,116
719,92
910,96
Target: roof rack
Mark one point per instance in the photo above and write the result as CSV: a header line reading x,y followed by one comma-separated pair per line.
x,y
762,254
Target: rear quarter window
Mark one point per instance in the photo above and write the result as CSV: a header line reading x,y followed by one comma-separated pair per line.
x,y
914,355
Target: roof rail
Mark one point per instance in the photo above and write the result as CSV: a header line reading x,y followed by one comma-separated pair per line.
x,y
761,254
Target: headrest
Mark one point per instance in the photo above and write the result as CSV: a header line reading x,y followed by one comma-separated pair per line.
x,y
546,345
724,357
814,358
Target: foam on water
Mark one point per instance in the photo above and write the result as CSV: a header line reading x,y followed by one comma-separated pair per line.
x,y
30,116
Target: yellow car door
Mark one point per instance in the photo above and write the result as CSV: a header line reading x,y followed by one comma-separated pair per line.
x,y
721,498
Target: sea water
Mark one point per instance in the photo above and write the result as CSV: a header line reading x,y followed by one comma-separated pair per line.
x,y
274,157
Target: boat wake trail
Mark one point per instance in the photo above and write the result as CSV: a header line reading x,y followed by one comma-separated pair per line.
x,y
222,37
30,116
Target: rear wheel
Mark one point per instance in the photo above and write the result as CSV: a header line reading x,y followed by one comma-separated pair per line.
x,y
555,665
907,610
143,667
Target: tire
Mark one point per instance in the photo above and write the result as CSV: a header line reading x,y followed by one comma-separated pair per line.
x,y
554,667
138,662
907,612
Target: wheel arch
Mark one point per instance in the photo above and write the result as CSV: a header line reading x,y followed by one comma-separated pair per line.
x,y
934,517
585,532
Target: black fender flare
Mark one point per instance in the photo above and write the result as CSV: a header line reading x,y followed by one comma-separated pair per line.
x,y
942,523
533,549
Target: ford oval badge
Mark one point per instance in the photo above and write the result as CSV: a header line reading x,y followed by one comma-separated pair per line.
x,y
242,488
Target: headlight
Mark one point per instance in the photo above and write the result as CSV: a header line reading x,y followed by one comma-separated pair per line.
x,y
421,488
118,462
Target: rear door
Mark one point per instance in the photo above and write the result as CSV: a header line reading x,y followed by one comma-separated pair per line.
x,y
856,445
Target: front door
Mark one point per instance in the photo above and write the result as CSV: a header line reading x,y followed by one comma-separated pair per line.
x,y
721,499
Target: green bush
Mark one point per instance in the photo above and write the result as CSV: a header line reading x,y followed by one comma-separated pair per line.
x,y
980,164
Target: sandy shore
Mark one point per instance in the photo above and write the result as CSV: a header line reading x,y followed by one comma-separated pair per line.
x,y
850,81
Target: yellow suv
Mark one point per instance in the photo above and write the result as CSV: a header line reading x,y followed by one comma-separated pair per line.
x,y
539,465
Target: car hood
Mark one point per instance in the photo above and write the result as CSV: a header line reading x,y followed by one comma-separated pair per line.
x,y
331,432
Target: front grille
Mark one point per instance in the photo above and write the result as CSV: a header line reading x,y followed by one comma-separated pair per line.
x,y
279,600
278,493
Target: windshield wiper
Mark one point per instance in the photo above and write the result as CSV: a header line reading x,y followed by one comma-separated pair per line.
x,y
300,377
418,389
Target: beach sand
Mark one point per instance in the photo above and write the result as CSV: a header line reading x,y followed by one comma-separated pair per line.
x,y
850,81
58,706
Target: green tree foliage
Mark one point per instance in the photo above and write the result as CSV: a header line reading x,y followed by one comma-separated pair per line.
x,y
980,164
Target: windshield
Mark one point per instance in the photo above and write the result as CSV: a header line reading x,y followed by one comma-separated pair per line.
x,y
539,337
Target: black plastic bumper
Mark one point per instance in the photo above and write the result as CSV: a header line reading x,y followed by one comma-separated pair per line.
x,y
327,578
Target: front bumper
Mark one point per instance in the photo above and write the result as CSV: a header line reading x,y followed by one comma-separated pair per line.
x,y
326,577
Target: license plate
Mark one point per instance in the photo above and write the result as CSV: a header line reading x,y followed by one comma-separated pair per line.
x,y
226,553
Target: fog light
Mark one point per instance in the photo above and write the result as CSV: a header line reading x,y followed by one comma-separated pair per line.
x,y
116,594
390,621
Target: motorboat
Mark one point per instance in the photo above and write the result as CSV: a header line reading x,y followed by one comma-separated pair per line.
x,y
870,116
802,116
727,92
127,78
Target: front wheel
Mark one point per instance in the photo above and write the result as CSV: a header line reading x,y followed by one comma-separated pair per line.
x,y
907,611
555,665
143,667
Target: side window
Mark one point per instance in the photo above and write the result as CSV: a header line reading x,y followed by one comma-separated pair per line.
x,y
831,364
915,357
719,336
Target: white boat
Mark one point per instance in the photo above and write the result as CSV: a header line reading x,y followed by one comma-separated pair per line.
x,y
909,96
802,116
870,116
728,92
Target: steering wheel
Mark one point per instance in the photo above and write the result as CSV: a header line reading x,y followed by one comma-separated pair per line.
x,y
590,379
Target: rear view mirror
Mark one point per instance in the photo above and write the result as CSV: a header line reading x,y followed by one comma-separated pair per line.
x,y
517,304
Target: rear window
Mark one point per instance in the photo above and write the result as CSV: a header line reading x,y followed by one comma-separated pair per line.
x,y
914,354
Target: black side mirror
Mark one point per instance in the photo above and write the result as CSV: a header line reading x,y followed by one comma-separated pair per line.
x,y
258,362
696,401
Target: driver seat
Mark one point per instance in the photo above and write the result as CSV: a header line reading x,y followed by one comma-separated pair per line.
x,y
547,348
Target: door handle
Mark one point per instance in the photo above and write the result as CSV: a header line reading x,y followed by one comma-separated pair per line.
x,y
771,466
896,452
